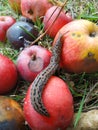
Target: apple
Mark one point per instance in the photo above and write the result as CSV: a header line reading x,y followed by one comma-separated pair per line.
x,y
8,74
2,34
58,100
11,114
31,61
80,46
52,15
22,33
6,22
15,5
34,9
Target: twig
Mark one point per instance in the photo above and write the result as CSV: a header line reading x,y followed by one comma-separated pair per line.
x,y
90,108
89,93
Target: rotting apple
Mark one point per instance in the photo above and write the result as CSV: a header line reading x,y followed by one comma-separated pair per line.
x,y
31,61
80,46
57,19
6,22
8,74
11,114
15,5
21,34
58,101
34,9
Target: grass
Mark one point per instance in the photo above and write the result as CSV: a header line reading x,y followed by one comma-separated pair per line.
x,y
78,83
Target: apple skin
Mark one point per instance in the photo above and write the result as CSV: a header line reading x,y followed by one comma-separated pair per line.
x,y
41,59
11,114
15,5
6,22
51,15
59,103
80,46
2,35
8,74
34,9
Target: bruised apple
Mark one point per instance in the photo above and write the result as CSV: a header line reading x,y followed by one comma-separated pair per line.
x,y
8,74
57,19
11,115
58,102
34,9
32,61
80,46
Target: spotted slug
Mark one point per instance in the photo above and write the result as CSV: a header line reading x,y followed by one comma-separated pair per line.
x,y
42,78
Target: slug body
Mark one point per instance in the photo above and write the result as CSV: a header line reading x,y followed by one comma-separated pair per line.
x,y
42,78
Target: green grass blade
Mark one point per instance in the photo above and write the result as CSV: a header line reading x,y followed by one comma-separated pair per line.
x,y
80,109
27,32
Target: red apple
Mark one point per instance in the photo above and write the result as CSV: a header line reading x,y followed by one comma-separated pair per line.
x,y
15,4
32,60
6,22
61,19
2,34
8,74
59,103
11,114
34,9
80,46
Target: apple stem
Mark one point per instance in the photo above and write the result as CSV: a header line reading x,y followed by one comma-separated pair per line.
x,y
33,57
93,34
30,12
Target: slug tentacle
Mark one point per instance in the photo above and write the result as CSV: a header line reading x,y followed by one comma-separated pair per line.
x,y
42,78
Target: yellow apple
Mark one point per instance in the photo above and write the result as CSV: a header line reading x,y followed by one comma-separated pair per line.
x,y
80,46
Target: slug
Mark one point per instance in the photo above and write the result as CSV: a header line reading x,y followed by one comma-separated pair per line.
x,y
42,78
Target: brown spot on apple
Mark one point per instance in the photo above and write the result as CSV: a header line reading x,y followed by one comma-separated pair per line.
x,y
90,58
93,34
36,64
76,35
30,12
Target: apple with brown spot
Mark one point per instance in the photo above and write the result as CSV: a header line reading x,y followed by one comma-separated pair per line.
x,y
31,61
34,9
80,46
11,114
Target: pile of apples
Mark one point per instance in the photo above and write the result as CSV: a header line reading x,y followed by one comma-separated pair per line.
x,y
79,54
